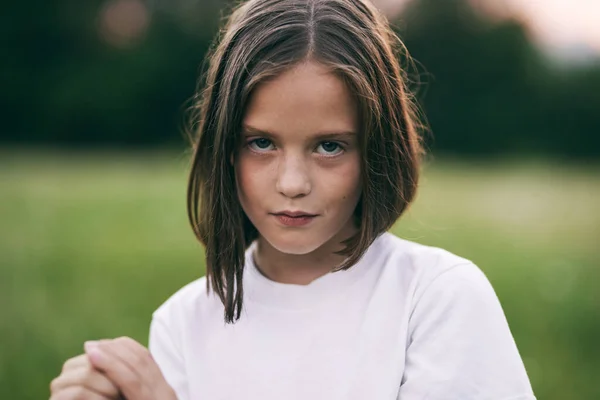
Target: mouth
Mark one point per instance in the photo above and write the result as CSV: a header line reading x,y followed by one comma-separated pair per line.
x,y
294,218
295,214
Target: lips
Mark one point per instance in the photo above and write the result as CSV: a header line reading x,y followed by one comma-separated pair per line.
x,y
295,214
294,218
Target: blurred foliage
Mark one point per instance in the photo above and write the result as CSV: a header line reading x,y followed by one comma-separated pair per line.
x,y
67,81
92,243
492,92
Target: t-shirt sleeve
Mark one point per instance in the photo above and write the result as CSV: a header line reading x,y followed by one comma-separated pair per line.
x,y
168,357
460,345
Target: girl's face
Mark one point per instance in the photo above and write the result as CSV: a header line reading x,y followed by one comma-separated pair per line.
x,y
300,155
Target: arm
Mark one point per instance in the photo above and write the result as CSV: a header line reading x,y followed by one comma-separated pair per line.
x,y
460,345
168,356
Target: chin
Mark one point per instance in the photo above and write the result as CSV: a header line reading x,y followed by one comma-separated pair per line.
x,y
297,243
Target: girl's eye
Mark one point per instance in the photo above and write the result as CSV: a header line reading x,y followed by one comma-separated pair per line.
x,y
260,144
330,148
324,148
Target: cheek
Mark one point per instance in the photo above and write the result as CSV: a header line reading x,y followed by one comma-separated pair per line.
x,y
353,174
347,180
249,180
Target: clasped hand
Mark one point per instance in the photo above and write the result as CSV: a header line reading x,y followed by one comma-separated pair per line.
x,y
110,370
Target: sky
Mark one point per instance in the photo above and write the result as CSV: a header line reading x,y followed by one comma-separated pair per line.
x,y
565,28
568,26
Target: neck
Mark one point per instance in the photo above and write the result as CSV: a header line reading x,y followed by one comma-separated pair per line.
x,y
300,269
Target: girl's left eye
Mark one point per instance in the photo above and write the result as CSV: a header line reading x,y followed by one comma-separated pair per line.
x,y
325,148
330,148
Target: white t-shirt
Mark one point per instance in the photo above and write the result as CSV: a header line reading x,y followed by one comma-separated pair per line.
x,y
406,322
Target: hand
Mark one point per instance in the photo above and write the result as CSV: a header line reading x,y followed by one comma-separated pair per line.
x,y
130,367
80,380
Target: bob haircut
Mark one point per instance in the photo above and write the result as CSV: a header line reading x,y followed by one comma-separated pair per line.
x,y
261,39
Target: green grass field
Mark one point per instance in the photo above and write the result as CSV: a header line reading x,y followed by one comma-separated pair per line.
x,y
92,243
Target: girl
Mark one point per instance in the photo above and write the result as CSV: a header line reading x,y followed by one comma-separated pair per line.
x,y
307,153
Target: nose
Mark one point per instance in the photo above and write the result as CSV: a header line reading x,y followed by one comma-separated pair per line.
x,y
293,179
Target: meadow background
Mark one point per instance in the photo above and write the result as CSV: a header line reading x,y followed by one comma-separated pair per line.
x,y
93,168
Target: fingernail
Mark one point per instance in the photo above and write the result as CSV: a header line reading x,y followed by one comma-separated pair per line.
x,y
95,354
90,344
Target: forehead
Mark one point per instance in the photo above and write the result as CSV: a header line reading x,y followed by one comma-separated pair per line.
x,y
304,100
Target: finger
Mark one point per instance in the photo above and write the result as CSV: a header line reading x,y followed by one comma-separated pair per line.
x,y
77,392
119,371
76,362
136,356
79,360
88,377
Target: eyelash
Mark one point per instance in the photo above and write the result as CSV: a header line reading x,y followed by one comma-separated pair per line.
x,y
339,146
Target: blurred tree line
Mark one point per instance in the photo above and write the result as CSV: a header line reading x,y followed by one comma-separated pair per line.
x,y
119,73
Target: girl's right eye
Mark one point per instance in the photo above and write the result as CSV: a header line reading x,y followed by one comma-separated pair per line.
x,y
260,144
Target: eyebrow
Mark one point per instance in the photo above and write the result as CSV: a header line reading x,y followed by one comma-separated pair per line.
x,y
247,129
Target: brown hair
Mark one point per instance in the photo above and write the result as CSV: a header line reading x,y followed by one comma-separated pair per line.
x,y
261,39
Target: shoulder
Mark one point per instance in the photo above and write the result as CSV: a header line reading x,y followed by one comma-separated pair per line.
x,y
419,254
420,271
422,264
191,299
459,344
